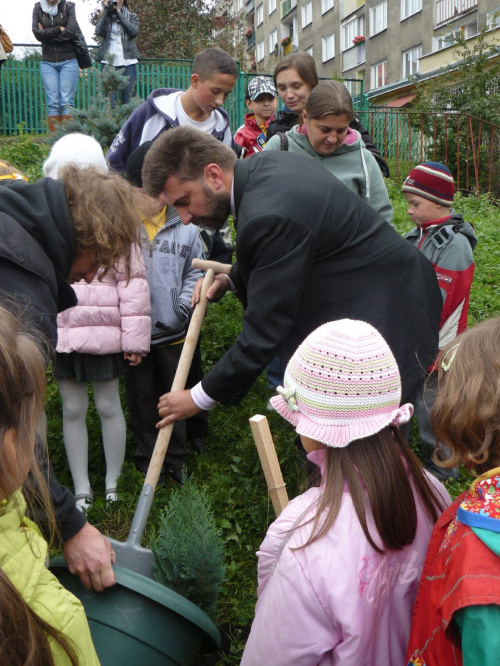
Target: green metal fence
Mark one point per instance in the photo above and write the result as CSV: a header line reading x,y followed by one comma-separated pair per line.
x,y
22,96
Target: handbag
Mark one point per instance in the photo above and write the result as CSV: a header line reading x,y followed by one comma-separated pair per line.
x,y
82,52
7,44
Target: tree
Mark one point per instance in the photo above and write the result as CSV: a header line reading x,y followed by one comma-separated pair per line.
x,y
471,86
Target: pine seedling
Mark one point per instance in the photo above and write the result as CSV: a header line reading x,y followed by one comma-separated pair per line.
x,y
189,549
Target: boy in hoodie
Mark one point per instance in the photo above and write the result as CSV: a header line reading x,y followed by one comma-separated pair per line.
x,y
168,248
261,99
448,242
213,76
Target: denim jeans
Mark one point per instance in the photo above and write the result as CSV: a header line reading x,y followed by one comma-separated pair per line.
x,y
60,80
130,71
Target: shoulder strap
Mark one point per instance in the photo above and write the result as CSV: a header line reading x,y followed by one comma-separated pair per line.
x,y
283,140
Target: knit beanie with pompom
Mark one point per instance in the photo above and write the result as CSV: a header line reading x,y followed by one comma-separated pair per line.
x,y
342,384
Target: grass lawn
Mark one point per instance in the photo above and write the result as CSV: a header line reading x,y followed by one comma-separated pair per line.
x,y
230,468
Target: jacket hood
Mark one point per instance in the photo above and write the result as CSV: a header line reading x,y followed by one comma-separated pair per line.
x,y
455,221
42,209
354,142
163,102
480,509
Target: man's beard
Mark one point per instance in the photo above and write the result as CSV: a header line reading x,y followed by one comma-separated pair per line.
x,y
218,208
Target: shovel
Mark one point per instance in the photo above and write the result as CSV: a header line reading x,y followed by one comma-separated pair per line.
x,y
130,554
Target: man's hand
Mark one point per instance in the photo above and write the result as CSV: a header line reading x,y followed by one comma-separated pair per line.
x,y
176,406
89,555
220,285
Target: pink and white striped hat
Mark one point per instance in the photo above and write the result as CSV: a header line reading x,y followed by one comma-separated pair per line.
x,y
342,384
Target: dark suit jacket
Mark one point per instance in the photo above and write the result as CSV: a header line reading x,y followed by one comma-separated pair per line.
x,y
309,251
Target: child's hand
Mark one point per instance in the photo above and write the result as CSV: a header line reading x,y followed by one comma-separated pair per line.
x,y
133,358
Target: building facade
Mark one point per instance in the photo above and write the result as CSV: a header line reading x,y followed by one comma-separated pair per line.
x,y
384,43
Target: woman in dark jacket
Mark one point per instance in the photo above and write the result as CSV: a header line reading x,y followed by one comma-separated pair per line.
x,y
119,27
54,24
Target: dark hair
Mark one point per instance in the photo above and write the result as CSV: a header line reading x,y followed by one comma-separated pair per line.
x,y
212,61
465,416
383,468
183,152
329,97
303,63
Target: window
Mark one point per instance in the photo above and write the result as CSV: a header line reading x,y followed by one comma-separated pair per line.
x,y
350,30
410,61
260,14
239,5
326,5
410,7
493,18
327,47
272,6
310,51
307,14
273,40
379,75
259,51
378,18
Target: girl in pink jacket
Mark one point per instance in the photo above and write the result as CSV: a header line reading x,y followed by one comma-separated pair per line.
x,y
339,569
110,324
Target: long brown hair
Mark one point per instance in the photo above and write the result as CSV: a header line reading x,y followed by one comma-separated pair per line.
x,y
466,414
303,63
23,635
382,469
105,211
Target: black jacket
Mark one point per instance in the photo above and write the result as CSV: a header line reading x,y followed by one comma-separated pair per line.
x,y
312,251
57,44
285,120
36,253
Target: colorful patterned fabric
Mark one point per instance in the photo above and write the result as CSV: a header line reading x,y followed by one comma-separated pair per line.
x,y
481,505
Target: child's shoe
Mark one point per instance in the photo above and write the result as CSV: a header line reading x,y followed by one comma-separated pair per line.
x,y
84,501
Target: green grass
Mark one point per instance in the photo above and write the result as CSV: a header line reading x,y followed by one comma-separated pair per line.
x,y
230,468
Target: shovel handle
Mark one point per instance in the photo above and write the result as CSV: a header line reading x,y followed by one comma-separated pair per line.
x,y
216,266
181,374
269,461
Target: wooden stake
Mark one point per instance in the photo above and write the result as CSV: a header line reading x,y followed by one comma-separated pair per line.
x,y
269,461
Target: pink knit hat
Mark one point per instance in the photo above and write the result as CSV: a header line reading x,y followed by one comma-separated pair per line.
x,y
342,384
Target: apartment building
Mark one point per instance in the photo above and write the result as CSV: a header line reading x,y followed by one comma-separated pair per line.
x,y
384,43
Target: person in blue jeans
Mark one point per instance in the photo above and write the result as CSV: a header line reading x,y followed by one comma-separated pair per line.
x,y
54,25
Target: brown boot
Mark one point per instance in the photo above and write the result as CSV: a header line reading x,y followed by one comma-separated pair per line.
x,y
63,118
54,122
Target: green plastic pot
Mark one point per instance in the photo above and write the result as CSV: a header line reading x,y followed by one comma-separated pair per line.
x,y
139,621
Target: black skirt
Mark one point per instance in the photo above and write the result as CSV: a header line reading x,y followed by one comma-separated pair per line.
x,y
88,367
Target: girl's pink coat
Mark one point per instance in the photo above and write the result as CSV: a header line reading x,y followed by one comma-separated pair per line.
x,y
112,315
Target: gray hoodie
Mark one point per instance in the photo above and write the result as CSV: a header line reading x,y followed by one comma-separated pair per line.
x,y
351,163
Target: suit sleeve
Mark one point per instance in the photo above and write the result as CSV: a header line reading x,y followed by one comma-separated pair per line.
x,y
278,253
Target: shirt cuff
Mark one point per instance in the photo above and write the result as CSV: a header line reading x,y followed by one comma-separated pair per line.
x,y
232,287
201,399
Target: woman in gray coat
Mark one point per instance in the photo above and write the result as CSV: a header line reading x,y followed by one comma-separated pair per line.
x,y
119,27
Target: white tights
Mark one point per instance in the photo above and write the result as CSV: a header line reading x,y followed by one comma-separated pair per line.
x,y
75,402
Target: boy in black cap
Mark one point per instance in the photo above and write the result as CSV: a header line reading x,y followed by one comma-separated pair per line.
x,y
261,99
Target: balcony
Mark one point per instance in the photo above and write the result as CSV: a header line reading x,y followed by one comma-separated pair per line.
x,y
287,6
353,57
447,10
249,6
251,40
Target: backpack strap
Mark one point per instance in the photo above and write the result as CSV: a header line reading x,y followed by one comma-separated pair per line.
x,y
283,140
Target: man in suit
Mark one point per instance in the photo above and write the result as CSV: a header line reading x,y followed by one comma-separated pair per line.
x,y
308,251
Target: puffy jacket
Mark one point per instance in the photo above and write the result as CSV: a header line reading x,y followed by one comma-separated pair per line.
x,y
22,558
112,315
336,601
449,244
57,44
351,163
129,24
